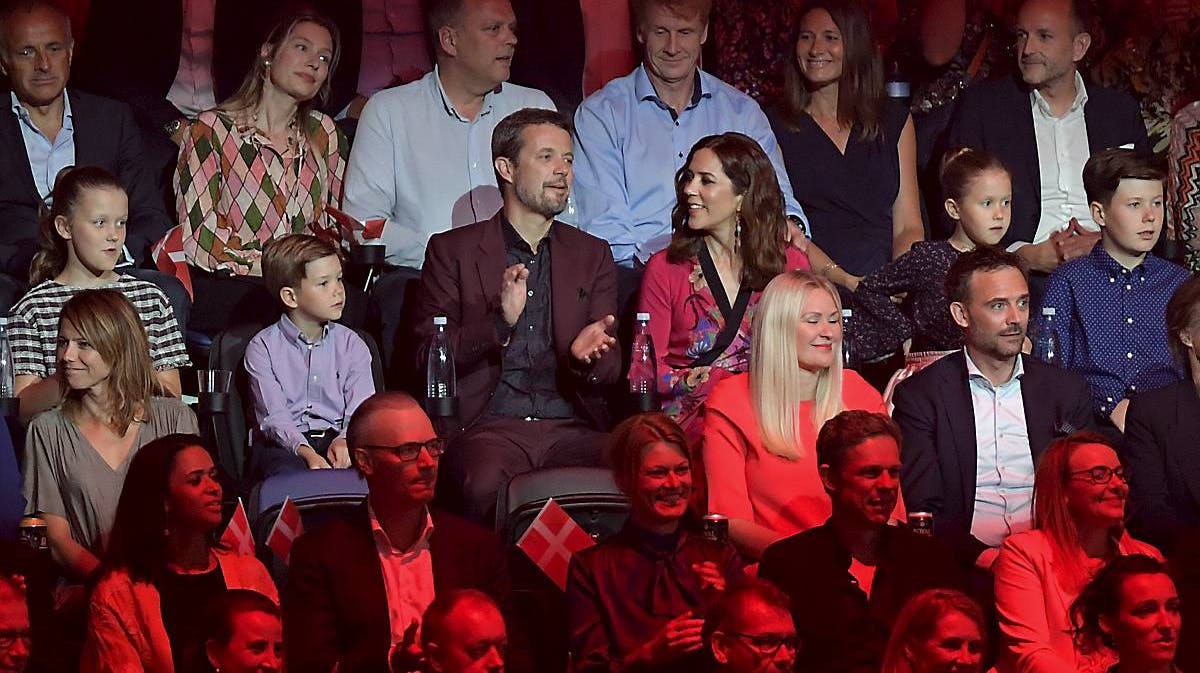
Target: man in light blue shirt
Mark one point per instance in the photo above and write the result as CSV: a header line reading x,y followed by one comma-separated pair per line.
x,y
634,134
422,157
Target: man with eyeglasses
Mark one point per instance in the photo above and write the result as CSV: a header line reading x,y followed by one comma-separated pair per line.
x,y
849,578
16,636
749,629
357,587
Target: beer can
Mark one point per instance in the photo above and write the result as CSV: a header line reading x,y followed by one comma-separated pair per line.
x,y
33,532
716,528
921,523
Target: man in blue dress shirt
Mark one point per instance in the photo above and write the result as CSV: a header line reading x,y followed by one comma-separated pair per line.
x,y
1110,306
634,134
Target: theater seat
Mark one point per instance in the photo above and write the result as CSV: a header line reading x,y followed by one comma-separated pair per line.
x,y
588,494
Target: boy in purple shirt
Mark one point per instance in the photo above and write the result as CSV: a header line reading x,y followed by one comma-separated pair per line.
x,y
307,373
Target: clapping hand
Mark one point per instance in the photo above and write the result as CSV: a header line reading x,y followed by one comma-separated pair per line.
x,y
594,341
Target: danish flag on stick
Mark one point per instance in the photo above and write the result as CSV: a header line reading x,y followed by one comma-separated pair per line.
x,y
287,528
551,540
237,534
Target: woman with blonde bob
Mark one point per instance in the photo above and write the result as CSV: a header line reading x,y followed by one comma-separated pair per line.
x,y
1079,497
938,631
78,452
760,428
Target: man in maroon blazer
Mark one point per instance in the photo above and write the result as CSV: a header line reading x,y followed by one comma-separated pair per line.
x,y
530,305
357,588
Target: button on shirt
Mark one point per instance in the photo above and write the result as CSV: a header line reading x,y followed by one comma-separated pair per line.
x,y
425,167
407,576
629,144
529,366
1111,325
46,157
1062,147
1003,460
301,386
192,91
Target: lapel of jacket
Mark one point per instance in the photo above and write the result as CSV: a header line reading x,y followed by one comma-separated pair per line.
x,y
955,391
1042,415
1186,424
87,132
12,145
490,259
568,292
1025,142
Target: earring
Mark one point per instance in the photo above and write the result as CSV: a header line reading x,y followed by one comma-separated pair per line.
x,y
737,231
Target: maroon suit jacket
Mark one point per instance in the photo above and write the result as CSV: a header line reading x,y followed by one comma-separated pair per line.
x,y
461,280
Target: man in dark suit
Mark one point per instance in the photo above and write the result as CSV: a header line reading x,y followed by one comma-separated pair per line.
x,y
976,421
530,305
849,578
357,588
45,127
1044,123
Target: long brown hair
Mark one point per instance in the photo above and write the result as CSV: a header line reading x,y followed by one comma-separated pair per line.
x,y
1050,512
860,88
763,222
107,320
249,94
69,188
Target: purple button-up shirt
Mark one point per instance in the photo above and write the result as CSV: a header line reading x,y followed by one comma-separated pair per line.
x,y
300,386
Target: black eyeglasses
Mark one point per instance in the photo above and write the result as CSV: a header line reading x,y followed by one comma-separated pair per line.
x,y
1101,474
409,451
9,638
767,644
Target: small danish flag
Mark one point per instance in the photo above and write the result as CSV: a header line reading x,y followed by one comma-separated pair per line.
x,y
287,528
237,535
552,539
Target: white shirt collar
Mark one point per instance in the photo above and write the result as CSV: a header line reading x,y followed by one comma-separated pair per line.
x,y
1081,97
973,371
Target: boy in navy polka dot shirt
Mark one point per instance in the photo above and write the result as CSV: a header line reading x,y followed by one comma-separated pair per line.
x,y
1110,305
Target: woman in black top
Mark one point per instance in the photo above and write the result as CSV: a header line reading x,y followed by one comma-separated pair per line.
x,y
850,152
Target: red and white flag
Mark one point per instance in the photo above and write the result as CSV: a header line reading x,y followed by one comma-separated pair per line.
x,y
287,528
551,540
237,535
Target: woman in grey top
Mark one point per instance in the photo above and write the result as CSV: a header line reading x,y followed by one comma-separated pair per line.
x,y
77,453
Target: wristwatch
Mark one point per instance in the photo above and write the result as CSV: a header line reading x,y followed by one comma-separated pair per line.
x,y
172,127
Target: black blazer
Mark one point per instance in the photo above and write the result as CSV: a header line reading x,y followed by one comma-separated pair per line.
x,y
335,605
997,116
1161,431
938,454
842,630
131,52
105,136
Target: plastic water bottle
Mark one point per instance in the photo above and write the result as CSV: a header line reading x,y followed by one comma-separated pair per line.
x,y
1046,346
441,388
643,368
849,350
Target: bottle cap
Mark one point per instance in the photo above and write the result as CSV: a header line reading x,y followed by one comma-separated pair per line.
x,y
439,320
1048,310
847,313
643,317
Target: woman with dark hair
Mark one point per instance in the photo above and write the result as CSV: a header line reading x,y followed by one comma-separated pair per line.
x,y
78,453
850,151
244,633
164,563
637,600
1161,427
728,242
260,165
938,631
1079,496
1131,607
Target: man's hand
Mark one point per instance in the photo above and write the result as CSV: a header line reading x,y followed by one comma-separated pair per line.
x,y
406,655
678,637
795,235
1075,241
710,576
1118,414
594,341
1041,256
312,458
513,290
339,453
